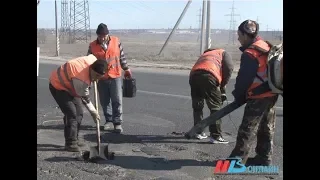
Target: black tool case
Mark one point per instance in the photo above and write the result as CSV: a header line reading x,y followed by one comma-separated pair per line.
x,y
129,87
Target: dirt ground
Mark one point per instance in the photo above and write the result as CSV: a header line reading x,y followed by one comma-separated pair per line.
x,y
181,49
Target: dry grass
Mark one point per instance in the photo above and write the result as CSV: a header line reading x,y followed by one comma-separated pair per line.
x,y
181,49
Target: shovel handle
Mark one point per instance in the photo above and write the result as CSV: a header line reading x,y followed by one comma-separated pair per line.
x,y
95,95
96,106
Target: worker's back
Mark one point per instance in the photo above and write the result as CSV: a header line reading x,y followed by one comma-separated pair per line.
x,y
210,61
77,67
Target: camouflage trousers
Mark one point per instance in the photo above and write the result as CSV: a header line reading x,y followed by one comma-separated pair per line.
x,y
258,121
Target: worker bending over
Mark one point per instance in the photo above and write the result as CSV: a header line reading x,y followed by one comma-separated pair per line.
x,y
69,86
208,79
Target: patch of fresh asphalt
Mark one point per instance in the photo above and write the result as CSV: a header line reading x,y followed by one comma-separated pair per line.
x,y
147,149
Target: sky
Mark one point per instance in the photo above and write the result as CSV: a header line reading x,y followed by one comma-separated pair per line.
x,y
157,14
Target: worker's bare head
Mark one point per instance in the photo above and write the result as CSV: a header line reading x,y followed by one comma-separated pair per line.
x,y
247,32
98,69
102,33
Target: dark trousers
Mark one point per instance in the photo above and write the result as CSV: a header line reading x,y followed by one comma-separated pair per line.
x,y
71,107
204,86
259,120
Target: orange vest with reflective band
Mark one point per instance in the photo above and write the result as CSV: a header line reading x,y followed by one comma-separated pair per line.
x,y
211,62
61,79
111,55
256,50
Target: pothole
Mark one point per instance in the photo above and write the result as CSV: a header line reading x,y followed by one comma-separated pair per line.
x,y
151,151
175,147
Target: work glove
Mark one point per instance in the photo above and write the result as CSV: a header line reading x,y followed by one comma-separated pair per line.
x,y
95,116
223,94
127,74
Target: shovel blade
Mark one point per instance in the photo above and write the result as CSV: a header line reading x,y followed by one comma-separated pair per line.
x,y
94,153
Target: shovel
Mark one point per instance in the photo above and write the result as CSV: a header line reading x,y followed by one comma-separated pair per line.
x,y
99,152
199,127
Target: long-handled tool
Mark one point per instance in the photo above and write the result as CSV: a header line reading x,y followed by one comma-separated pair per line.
x,y
100,151
199,127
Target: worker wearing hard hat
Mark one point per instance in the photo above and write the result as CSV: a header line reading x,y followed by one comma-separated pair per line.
x,y
208,79
69,86
109,48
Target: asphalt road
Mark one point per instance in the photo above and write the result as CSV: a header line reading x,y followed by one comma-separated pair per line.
x,y
148,148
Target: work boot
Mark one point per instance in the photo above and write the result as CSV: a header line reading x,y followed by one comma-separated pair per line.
x,y
118,128
107,126
72,147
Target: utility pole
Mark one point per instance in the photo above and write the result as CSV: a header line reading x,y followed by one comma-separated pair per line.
x,y
38,49
57,32
199,15
232,24
258,22
176,25
203,25
208,28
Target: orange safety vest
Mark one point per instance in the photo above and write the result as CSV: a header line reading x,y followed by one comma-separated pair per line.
x,y
61,79
211,62
257,50
111,55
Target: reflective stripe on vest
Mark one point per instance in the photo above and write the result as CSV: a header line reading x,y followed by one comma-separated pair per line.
x,y
111,55
111,63
211,62
261,75
65,72
77,68
213,59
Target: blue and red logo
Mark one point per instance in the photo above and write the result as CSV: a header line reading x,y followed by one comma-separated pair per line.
x,y
235,166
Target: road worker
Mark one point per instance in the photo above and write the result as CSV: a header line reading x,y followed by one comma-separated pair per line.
x,y
69,86
259,114
208,79
109,48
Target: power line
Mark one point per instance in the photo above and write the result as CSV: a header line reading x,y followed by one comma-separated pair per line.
x,y
258,21
232,26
